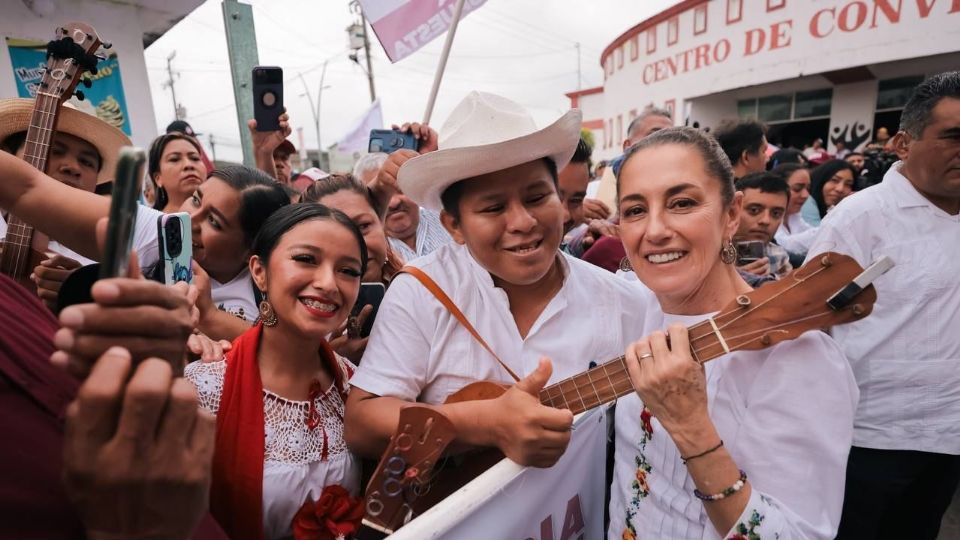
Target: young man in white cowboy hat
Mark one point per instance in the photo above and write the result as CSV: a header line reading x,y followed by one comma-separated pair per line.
x,y
83,154
495,179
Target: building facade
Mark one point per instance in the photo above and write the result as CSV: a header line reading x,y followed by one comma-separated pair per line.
x,y
832,69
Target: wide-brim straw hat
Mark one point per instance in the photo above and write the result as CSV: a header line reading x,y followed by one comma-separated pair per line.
x,y
15,117
486,133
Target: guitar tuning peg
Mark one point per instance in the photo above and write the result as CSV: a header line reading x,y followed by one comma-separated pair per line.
x,y
106,45
79,94
87,83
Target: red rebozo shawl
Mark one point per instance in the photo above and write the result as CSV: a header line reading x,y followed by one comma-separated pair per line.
x,y
236,496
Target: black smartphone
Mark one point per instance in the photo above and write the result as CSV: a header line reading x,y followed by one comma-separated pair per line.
x,y
370,294
267,97
123,213
389,141
750,251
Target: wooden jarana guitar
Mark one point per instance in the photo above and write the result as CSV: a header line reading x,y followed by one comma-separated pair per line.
x,y
830,290
69,56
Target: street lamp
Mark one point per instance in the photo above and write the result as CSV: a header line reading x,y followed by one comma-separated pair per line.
x,y
316,109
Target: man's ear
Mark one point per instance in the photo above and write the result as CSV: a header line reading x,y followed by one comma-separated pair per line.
x,y
452,225
258,271
901,144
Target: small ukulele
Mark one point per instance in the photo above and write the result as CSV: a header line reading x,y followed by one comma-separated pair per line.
x,y
830,290
69,56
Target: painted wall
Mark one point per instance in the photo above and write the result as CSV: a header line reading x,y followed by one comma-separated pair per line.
x,y
115,22
719,45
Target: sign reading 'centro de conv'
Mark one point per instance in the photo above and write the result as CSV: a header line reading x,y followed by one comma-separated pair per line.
x,y
769,40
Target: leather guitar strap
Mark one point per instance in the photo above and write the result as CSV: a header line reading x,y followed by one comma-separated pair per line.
x,y
436,291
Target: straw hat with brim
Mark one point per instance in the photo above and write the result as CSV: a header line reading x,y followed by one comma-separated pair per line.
x,y
15,117
486,133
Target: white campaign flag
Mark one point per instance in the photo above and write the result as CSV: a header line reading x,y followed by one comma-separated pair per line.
x,y
403,26
357,139
563,502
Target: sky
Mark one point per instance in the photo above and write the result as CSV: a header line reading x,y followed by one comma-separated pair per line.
x,y
525,50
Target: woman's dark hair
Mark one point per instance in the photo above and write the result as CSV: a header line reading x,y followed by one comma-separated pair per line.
x,y
786,170
786,156
716,161
153,163
450,198
821,175
260,197
336,183
292,215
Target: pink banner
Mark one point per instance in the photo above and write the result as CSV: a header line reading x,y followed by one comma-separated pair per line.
x,y
404,27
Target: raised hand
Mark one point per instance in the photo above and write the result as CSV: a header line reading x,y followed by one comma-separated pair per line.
x,y
138,451
526,431
49,276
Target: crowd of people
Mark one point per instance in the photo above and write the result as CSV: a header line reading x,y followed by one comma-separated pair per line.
x,y
243,404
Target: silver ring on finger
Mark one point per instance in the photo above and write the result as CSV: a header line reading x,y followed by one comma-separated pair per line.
x,y
644,356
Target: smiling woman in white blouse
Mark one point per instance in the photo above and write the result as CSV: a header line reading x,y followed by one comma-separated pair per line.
x,y
751,445
280,457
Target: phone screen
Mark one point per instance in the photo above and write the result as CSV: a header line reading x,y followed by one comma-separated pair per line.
x,y
370,294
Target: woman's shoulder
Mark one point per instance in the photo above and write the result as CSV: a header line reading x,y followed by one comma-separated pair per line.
x,y
207,378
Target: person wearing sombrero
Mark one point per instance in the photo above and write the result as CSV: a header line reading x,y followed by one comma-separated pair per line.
x,y
494,180
83,154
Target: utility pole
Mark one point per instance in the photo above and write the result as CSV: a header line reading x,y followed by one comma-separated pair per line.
x,y
579,76
242,52
366,49
213,147
169,83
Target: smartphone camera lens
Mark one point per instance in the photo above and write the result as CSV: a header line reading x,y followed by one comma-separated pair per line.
x,y
172,235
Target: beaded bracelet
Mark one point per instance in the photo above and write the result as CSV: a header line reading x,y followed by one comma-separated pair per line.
x,y
737,486
701,454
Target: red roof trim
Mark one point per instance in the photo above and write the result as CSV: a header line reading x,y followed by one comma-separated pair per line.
x,y
585,92
652,21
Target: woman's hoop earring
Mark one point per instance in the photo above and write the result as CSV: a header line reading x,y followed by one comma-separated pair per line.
x,y
728,253
267,315
625,265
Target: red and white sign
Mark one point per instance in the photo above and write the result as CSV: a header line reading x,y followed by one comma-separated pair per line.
x,y
403,26
564,502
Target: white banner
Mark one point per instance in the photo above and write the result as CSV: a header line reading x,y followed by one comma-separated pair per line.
x,y
403,26
358,138
564,502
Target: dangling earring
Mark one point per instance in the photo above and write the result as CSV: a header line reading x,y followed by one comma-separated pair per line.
x,y
267,315
728,253
625,265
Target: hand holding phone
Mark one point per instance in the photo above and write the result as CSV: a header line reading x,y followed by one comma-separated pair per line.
x,y
175,241
370,294
267,97
389,141
750,251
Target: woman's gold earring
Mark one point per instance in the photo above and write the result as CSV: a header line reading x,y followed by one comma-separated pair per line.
x,y
267,315
728,253
625,265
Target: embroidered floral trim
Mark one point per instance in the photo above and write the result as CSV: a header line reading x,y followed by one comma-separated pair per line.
x,y
640,487
334,516
747,531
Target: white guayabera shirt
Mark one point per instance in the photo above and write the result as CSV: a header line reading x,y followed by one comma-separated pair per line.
x,y
418,350
430,236
785,415
906,354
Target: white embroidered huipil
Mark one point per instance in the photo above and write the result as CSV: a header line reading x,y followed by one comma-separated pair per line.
x,y
418,350
293,470
785,416
906,354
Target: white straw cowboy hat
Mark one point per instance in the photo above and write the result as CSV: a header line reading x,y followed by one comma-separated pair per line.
x,y
15,117
486,133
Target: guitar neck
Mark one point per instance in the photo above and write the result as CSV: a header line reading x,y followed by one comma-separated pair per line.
x,y
609,381
19,241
